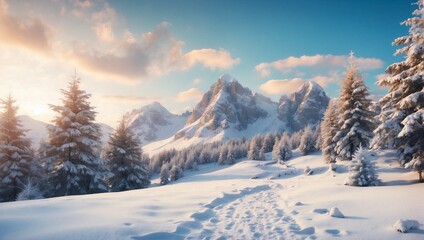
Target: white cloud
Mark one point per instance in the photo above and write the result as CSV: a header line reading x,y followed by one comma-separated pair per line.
x,y
154,54
197,81
211,58
104,21
104,31
131,99
322,61
192,94
32,34
82,4
281,86
285,86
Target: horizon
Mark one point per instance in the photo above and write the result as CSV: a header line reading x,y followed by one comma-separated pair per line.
x,y
131,54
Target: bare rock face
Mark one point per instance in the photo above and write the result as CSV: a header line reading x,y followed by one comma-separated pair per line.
x,y
226,104
305,106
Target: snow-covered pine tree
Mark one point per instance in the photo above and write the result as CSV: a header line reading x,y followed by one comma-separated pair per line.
x,y
356,121
175,173
295,139
328,131
307,142
417,163
223,152
268,142
164,174
402,116
362,170
318,136
282,150
231,156
73,142
124,160
255,148
15,153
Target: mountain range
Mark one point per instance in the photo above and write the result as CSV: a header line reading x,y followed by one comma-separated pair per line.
x,y
229,111
226,111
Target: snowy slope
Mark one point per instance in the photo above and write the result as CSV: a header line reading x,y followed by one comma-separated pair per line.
x,y
249,200
37,130
153,122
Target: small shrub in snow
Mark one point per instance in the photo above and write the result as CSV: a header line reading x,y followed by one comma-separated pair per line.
x,y
30,191
362,170
335,212
404,226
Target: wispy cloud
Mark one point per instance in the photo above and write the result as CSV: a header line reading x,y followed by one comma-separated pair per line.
x,y
322,61
281,86
32,34
154,54
104,21
211,58
131,98
192,94
285,86
197,81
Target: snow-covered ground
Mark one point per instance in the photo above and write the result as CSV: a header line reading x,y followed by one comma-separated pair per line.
x,y
249,200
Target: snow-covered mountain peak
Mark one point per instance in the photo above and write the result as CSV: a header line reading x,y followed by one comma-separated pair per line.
x,y
226,78
305,106
226,103
154,122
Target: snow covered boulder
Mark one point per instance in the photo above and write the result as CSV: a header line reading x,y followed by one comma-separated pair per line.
x,y
404,226
335,212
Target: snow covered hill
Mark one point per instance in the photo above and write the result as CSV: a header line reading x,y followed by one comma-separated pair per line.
x,y
248,200
37,130
153,122
230,111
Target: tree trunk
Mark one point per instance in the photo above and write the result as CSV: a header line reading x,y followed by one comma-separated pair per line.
x,y
420,176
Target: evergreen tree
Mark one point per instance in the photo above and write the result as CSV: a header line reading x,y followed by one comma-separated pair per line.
x,y
362,170
15,153
402,116
73,141
164,174
417,163
268,142
255,148
328,131
175,173
223,154
318,136
282,150
355,120
124,160
307,142
295,139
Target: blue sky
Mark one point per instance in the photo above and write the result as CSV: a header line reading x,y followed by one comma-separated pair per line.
x,y
129,53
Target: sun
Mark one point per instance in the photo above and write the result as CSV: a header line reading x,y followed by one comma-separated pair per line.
x,y
39,110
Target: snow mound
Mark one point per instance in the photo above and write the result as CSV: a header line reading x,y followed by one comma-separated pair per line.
x,y
404,226
335,212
